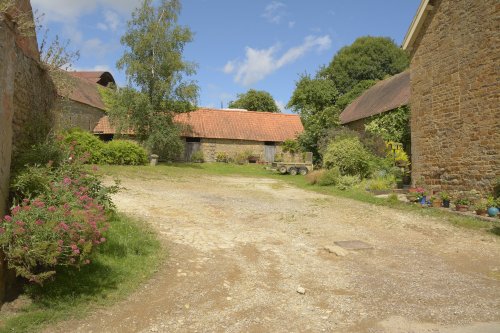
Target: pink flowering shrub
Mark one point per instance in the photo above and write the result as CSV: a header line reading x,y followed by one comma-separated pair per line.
x,y
58,218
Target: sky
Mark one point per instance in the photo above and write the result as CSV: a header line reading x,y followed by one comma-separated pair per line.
x,y
238,44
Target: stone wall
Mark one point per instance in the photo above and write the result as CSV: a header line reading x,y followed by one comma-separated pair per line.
x,y
210,148
71,114
455,97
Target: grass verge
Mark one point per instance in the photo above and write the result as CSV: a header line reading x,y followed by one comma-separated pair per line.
x,y
182,170
130,255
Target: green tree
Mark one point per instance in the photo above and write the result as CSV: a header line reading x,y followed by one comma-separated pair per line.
x,y
153,63
255,100
368,58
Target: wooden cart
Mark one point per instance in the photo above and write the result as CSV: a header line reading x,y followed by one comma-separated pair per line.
x,y
293,168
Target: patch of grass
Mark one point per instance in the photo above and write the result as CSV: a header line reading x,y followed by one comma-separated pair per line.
x,y
130,255
185,170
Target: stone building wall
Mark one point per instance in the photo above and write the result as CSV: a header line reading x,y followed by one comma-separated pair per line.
x,y
71,114
455,97
210,148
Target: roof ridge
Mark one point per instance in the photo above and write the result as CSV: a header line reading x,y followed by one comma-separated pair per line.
x,y
247,111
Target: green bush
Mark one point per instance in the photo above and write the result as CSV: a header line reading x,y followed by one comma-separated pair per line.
x,y
347,182
222,157
48,152
198,157
349,155
124,152
314,176
381,183
85,145
329,177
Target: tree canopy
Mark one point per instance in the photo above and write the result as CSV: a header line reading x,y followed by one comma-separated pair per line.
x,y
255,100
154,64
368,58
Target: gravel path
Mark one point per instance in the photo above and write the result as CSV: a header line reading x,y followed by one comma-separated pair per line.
x,y
240,249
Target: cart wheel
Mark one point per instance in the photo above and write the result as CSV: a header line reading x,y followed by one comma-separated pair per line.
x,y
292,171
303,171
282,169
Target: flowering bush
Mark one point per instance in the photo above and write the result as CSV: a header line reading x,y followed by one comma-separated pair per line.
x,y
57,223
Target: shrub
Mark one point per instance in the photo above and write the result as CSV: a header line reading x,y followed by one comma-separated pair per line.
x,y
314,176
329,177
349,155
222,157
57,222
124,152
40,154
85,145
381,183
198,157
347,182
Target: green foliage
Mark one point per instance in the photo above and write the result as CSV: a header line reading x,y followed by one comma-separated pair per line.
x,y
381,183
124,152
153,62
347,182
49,151
392,126
85,144
329,177
198,157
349,156
368,58
255,100
291,146
222,157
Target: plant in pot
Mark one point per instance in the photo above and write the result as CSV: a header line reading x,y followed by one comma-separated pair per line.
x,y
445,197
491,205
462,204
480,207
436,201
421,196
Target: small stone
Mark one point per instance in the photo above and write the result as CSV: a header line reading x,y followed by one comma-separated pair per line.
x,y
229,298
154,329
301,290
337,250
186,306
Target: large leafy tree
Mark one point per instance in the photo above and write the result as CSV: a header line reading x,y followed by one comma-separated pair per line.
x,y
255,100
154,65
368,58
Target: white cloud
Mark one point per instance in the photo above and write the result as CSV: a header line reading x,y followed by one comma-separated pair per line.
x,y
112,20
281,105
70,10
260,63
291,24
274,12
96,68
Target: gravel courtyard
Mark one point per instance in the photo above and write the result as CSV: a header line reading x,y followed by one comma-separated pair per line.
x,y
256,255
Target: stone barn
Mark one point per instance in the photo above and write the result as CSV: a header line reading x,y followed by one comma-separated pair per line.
x,y
235,131
384,96
82,106
454,47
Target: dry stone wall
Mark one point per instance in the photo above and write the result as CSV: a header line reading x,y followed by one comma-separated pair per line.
x,y
71,114
455,97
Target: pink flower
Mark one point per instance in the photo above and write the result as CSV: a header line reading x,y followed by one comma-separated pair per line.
x,y
63,226
102,240
2,230
87,261
38,222
52,209
59,249
7,218
16,210
26,200
74,247
76,251
67,181
20,223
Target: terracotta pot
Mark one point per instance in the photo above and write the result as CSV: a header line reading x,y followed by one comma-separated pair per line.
x,y
437,203
462,208
481,211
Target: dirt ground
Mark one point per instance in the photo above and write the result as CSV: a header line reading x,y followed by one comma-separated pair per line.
x,y
240,249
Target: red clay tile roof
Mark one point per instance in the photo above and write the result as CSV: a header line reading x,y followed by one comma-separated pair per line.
x,y
86,92
241,125
104,127
229,124
102,78
384,96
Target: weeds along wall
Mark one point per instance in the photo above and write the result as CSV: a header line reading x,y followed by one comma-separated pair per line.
x,y
26,97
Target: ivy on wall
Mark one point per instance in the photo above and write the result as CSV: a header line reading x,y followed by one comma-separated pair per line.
x,y
392,126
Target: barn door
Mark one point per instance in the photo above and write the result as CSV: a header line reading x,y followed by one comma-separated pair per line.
x,y
191,148
269,152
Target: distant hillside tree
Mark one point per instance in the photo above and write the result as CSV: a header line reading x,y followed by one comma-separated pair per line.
x,y
153,63
255,100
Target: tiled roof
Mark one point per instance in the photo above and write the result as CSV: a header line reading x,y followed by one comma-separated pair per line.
x,y
384,96
102,78
86,92
241,125
230,124
104,127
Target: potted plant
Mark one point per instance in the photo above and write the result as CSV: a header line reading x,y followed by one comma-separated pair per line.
x,y
462,204
421,196
446,199
480,207
491,206
436,201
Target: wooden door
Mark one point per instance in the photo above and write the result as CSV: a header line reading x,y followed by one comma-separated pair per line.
x,y
191,148
269,153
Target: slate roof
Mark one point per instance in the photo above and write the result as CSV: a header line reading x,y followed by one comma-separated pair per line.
x,y
230,124
384,96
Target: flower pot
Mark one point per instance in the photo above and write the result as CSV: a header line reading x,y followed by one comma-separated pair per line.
x,y
423,200
492,211
412,197
446,203
437,203
481,211
406,179
462,208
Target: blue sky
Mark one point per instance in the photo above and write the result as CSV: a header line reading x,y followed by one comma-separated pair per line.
x,y
238,45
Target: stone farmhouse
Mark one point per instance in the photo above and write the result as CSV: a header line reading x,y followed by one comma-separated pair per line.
x,y
83,105
232,132
384,96
454,47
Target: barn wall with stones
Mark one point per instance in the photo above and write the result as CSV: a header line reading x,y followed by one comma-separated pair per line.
x,y
455,97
